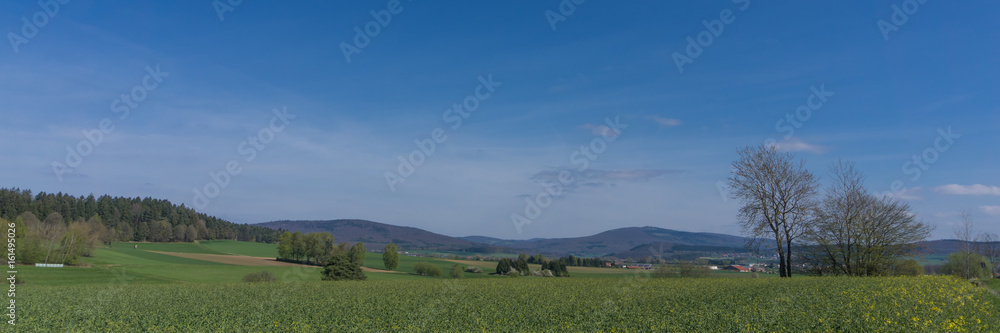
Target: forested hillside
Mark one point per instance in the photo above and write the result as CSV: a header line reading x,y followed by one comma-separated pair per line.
x,y
130,219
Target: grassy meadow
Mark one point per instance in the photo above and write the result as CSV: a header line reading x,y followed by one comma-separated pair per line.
x,y
521,304
162,287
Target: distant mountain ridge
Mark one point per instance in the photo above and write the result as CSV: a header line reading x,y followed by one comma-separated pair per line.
x,y
624,242
619,242
375,235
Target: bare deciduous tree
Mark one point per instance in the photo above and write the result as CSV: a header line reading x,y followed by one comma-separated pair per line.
x,y
858,233
965,232
777,196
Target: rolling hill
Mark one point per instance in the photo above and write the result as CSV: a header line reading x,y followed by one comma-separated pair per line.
x,y
375,235
624,242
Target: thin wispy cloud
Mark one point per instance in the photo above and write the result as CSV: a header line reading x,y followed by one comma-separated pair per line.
x,y
977,189
600,178
668,122
990,210
795,145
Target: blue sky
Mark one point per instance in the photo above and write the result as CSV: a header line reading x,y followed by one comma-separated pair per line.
x,y
345,124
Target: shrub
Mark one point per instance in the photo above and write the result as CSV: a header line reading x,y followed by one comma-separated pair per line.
x,y
341,268
456,272
262,276
473,269
967,265
504,266
908,267
426,268
688,269
666,271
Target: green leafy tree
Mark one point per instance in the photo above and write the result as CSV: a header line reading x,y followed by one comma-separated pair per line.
x,y
456,272
504,266
968,265
390,257
340,268
285,245
313,246
357,253
908,267
328,247
426,268
298,245
522,265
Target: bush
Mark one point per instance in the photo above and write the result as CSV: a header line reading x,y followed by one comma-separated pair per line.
x,y
341,268
908,267
967,265
426,268
473,269
262,276
456,272
667,271
688,269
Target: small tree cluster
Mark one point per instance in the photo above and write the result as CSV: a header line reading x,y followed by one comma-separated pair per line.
x,y
315,247
55,240
572,260
426,268
507,266
339,268
967,265
556,267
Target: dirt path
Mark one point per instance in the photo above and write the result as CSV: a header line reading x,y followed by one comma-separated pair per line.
x,y
249,261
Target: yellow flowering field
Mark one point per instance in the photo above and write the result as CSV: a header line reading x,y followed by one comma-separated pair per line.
x,y
801,304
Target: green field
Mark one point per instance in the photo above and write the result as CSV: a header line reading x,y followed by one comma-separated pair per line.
x,y
242,248
525,304
168,247
125,288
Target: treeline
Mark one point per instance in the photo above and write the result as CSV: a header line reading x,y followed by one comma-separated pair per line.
x,y
507,266
582,262
317,248
54,240
130,219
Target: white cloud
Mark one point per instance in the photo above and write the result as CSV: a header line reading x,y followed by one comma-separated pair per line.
x,y
977,189
794,145
990,210
669,122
